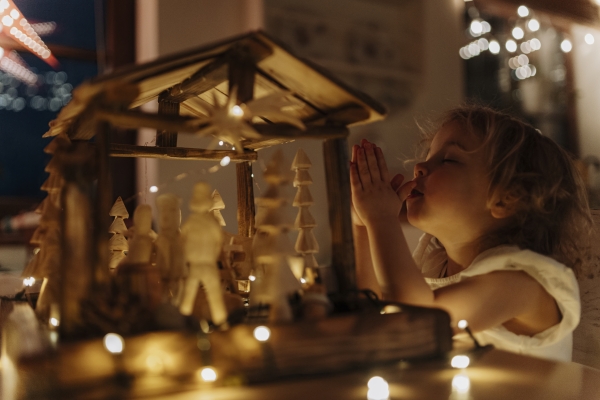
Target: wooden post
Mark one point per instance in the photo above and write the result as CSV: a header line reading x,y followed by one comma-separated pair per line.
x,y
103,204
337,173
242,71
166,138
79,165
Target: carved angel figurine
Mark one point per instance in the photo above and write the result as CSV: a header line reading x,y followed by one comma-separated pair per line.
x,y
202,240
169,247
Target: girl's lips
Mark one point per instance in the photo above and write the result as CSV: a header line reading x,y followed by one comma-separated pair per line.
x,y
414,194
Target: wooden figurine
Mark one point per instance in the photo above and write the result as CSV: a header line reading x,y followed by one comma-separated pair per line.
x,y
217,206
140,246
169,247
275,281
136,276
203,239
117,244
306,243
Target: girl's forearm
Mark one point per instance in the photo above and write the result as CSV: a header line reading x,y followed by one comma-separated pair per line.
x,y
391,255
365,274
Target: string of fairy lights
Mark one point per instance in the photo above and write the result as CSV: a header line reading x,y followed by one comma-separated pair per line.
x,y
21,85
519,44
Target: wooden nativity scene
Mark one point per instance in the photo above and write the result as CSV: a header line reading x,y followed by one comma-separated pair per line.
x,y
127,309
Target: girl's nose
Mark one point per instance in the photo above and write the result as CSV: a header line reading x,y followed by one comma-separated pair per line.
x,y
420,169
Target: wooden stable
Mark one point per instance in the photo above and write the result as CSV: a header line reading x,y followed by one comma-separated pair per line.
x,y
188,86
256,66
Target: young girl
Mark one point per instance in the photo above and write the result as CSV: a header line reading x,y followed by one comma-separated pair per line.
x,y
506,221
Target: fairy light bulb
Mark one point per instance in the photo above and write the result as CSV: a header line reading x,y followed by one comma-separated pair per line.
x,y
262,333
494,47
225,161
511,45
237,111
208,374
252,278
462,324
54,322
114,343
523,11
589,38
29,281
461,361
461,383
379,389
566,46
153,189
518,33
7,20
476,27
533,25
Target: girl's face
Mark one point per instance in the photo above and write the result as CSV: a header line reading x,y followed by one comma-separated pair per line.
x,y
450,199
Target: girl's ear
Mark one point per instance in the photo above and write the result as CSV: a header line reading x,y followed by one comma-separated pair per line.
x,y
503,208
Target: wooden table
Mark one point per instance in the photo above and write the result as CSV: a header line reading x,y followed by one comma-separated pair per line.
x,y
493,375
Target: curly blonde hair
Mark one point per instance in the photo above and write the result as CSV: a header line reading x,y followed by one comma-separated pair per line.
x,y
536,179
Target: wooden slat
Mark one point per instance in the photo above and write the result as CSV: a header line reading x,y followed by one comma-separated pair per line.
x,y
178,153
337,173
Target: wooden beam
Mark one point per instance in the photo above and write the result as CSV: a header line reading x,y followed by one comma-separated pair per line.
x,y
166,138
104,199
242,75
136,119
204,79
178,153
337,173
275,134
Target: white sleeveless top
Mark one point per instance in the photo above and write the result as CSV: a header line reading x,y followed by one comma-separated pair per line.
x,y
554,343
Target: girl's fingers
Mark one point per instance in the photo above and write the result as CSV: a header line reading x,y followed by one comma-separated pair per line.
x,y
364,171
355,183
382,165
371,158
353,155
404,190
397,181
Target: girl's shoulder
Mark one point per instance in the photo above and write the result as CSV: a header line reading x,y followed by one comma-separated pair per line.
x,y
430,256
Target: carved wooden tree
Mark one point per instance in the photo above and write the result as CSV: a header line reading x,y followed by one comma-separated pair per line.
x,y
217,206
306,243
118,243
275,281
46,263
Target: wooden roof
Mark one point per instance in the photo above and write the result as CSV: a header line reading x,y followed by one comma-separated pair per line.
x,y
193,77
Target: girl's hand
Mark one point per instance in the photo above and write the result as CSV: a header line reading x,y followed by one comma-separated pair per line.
x,y
356,220
376,199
